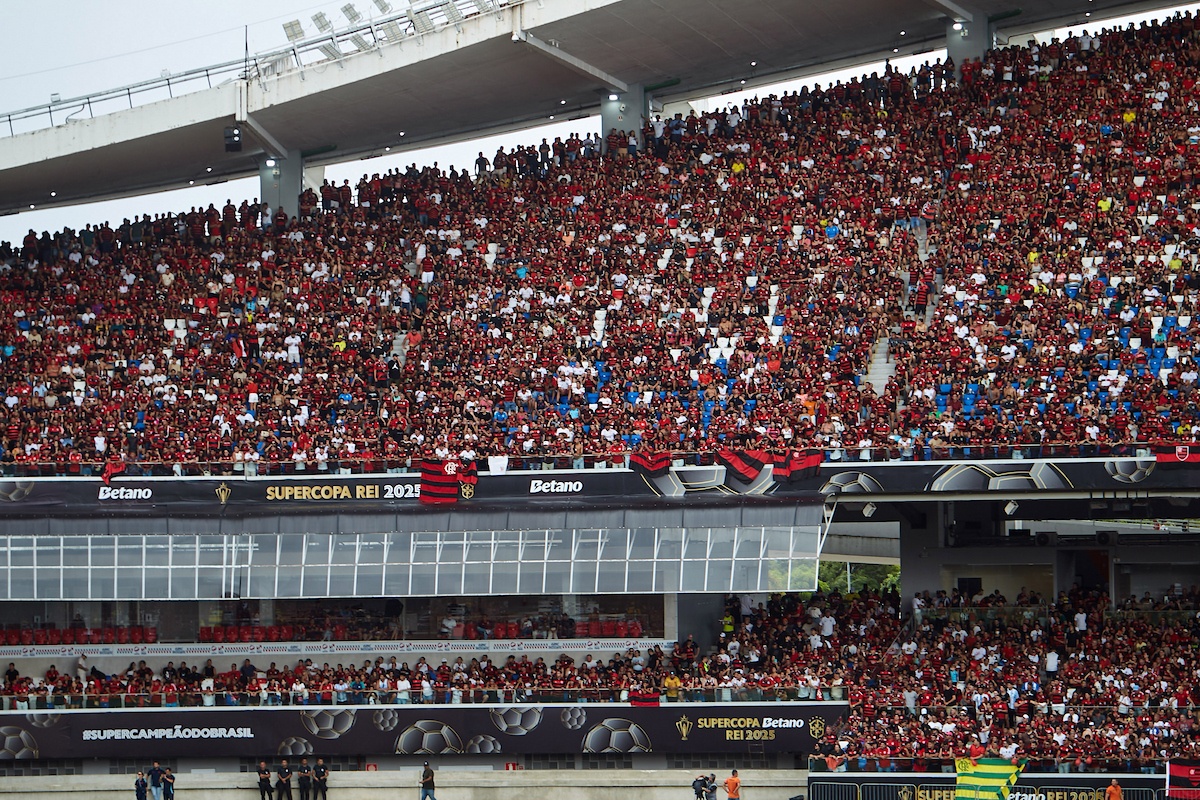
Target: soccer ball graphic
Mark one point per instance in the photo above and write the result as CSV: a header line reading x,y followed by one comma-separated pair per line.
x,y
616,735
851,483
15,491
516,720
428,737
43,720
327,723
17,743
573,718
385,719
1003,476
483,743
1129,470
294,746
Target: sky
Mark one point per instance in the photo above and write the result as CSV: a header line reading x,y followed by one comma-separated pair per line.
x,y
96,45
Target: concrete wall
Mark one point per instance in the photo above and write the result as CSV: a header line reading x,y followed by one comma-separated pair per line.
x,y
402,785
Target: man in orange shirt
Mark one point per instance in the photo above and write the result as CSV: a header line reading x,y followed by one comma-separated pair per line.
x,y
733,787
1114,792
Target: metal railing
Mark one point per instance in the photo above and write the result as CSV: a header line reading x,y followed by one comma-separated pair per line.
x,y
211,698
385,464
411,24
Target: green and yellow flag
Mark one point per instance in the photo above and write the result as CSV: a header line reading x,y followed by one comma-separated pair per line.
x,y
985,778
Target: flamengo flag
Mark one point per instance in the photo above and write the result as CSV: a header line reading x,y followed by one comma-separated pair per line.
x,y
1183,779
985,778
446,481
1178,454
744,465
795,465
652,465
111,470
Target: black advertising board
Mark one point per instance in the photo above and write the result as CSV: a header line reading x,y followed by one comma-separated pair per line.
x,y
700,485
419,730
1030,785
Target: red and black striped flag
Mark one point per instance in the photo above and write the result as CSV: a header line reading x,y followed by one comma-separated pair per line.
x,y
652,465
447,481
112,468
795,465
1178,454
1183,779
744,465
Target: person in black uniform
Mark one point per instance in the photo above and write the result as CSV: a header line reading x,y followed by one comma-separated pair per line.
x,y
283,786
264,782
140,786
304,779
320,780
168,784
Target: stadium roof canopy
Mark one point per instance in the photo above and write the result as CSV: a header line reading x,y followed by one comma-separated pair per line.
x,y
455,74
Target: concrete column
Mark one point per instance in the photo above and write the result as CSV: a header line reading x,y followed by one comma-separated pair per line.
x,y
922,551
281,181
622,112
971,41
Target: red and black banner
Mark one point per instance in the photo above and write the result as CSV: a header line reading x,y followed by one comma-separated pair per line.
x,y
652,465
448,480
744,465
1178,453
1183,779
796,465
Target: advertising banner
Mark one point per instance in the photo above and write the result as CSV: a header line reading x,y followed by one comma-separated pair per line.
x,y
719,483
419,730
941,786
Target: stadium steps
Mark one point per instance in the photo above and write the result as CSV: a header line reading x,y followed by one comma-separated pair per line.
x,y
881,368
400,346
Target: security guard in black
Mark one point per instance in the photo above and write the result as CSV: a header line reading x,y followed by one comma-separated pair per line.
x,y
304,779
283,786
321,780
264,781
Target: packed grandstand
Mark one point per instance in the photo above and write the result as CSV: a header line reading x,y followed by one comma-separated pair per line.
x,y
1022,238
1072,685
1020,234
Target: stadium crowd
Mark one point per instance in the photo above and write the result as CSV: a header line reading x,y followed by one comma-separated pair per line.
x,y
1071,685
1019,231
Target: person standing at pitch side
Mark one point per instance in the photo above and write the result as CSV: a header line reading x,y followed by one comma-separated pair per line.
x,y
304,778
320,780
733,786
140,786
283,786
155,775
264,781
427,783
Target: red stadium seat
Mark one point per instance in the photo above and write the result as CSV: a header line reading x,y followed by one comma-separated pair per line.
x,y
135,635
205,633
218,634
245,634
608,628
514,630
622,629
260,633
595,630
151,635
581,630
39,636
500,630
110,636
286,633
273,633
54,636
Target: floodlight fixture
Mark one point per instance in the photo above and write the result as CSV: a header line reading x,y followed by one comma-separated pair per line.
x,y
351,14
869,510
322,22
1011,507
294,30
